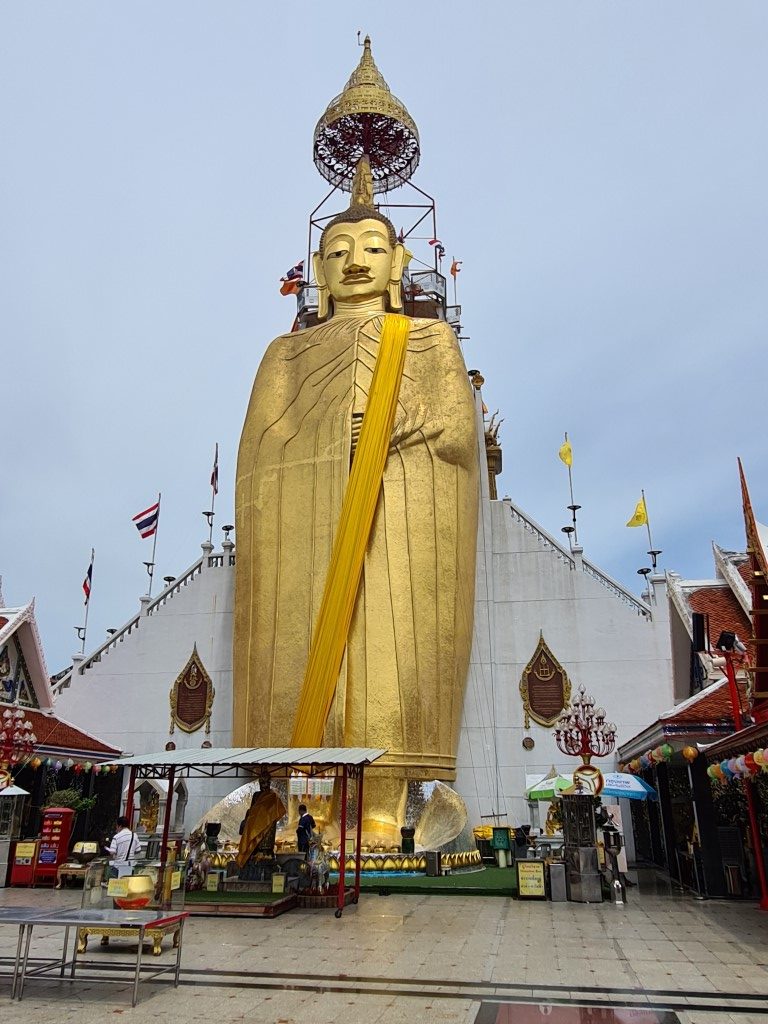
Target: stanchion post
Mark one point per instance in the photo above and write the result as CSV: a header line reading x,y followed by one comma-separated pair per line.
x,y
359,836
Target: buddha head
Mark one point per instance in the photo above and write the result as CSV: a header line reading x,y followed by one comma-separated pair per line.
x,y
360,258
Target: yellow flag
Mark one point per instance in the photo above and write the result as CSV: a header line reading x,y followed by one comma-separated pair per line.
x,y
566,453
640,516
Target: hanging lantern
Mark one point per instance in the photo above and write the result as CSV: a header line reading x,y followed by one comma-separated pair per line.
x,y
635,764
759,756
741,766
87,766
96,769
58,766
717,773
666,751
750,764
690,754
35,762
726,770
711,771
78,769
105,769
69,763
49,762
645,761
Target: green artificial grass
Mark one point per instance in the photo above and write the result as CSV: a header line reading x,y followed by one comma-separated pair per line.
x,y
488,882
201,896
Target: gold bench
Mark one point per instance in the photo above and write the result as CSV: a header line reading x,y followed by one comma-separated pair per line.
x,y
155,934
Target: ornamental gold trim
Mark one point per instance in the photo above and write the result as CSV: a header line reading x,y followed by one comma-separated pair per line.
x,y
198,677
543,666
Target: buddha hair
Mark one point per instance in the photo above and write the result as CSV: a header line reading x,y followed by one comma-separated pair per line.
x,y
357,213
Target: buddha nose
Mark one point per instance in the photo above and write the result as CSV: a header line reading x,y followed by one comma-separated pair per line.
x,y
355,267
356,261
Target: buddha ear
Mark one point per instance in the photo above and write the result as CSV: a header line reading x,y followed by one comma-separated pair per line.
x,y
395,287
322,286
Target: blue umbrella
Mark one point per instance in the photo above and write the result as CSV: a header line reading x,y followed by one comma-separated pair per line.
x,y
627,787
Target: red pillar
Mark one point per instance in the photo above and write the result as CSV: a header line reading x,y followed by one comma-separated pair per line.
x,y
359,832
129,795
754,827
342,842
167,818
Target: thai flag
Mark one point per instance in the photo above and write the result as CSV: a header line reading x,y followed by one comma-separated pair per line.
x,y
88,579
215,473
146,521
296,271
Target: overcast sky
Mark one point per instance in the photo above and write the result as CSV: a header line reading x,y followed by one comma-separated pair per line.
x,y
599,165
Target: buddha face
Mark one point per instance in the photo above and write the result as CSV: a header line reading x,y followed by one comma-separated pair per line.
x,y
358,261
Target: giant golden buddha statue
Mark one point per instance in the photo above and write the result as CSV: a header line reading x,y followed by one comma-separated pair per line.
x,y
356,514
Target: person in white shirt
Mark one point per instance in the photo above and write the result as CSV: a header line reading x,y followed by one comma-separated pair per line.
x,y
124,849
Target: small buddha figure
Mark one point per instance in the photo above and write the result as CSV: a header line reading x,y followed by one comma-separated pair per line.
x,y
258,828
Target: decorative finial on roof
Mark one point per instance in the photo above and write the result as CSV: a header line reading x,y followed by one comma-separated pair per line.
x,y
362,184
366,119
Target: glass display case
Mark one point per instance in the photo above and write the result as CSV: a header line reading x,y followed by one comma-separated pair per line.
x,y
149,886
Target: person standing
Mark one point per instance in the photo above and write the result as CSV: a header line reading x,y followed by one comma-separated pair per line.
x,y
123,850
304,829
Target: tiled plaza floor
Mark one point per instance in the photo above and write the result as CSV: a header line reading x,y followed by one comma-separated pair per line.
x,y
429,958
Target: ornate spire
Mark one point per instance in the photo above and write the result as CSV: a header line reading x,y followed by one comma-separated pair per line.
x,y
366,119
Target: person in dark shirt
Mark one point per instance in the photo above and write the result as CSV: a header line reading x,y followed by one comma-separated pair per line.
x,y
304,830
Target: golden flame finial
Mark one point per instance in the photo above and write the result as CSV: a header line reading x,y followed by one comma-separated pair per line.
x,y
362,184
366,119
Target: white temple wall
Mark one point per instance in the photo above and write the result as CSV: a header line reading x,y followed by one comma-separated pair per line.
x,y
125,697
621,657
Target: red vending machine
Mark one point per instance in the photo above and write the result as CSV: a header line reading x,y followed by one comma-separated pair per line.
x,y
54,842
24,862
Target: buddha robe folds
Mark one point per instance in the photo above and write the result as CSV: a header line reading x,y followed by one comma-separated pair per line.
x,y
401,685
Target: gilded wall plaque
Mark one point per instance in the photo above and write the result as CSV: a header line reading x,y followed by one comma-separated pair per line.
x,y
544,687
192,697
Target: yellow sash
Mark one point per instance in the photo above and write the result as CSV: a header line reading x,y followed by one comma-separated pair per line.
x,y
351,541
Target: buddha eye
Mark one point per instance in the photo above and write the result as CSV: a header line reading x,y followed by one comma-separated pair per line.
x,y
374,249
337,254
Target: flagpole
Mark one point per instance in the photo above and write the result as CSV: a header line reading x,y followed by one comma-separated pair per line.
x,y
151,567
653,552
573,506
88,603
214,483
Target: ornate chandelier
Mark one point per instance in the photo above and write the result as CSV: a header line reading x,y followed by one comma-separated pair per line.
x,y
17,737
582,730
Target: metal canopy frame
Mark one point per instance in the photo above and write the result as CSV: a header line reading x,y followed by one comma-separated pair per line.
x,y
317,223
346,763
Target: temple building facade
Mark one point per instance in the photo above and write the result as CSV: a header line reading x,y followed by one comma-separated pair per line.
x,y
532,595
